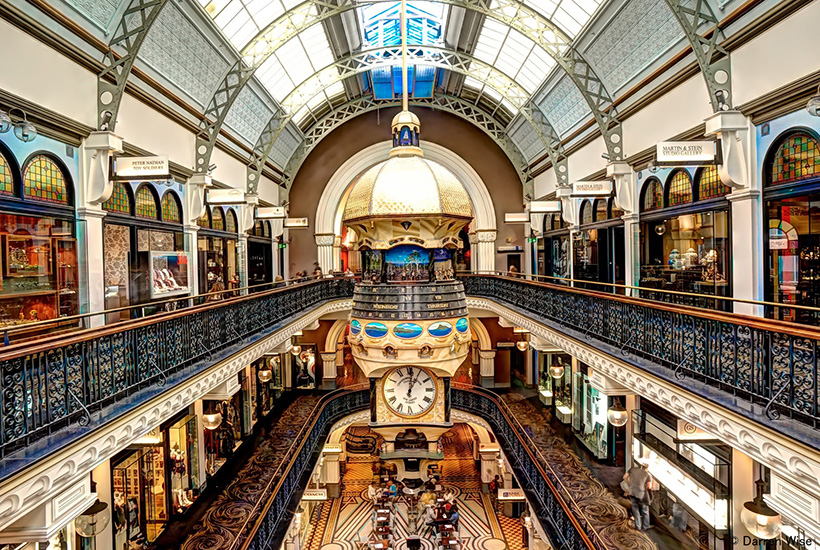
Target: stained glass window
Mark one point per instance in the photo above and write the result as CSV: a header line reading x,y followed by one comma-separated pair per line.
x,y
709,184
6,177
257,229
798,158
557,222
652,195
119,201
266,228
680,188
600,210
204,221
615,212
217,219
230,222
586,212
146,203
170,208
44,181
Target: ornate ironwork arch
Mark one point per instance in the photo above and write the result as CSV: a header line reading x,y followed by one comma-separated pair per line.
x,y
134,25
364,61
513,13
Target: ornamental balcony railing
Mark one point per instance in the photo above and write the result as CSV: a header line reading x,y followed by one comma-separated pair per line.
x,y
552,503
762,369
55,381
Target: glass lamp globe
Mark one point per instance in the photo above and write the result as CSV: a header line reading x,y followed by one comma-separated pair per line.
x,y
212,420
5,122
92,522
295,349
813,106
761,521
25,131
522,345
265,375
557,370
617,415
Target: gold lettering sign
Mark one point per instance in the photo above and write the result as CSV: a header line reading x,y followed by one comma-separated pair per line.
x,y
386,306
442,305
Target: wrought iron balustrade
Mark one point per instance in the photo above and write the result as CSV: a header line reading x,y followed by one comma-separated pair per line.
x,y
768,363
50,382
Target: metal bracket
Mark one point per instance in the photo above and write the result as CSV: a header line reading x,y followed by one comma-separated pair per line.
x,y
771,412
163,378
85,419
712,58
679,374
624,352
134,25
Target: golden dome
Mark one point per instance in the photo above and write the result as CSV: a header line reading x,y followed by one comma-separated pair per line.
x,y
407,186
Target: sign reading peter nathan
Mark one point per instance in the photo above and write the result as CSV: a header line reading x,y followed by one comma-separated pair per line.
x,y
687,152
126,168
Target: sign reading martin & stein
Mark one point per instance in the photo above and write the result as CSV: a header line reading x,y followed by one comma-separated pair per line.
x,y
601,188
687,152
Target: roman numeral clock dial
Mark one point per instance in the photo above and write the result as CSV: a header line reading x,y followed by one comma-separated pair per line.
x,y
409,391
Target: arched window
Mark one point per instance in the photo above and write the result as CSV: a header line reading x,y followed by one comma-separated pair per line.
x,y
600,210
205,220
709,184
680,189
798,158
257,229
44,181
6,177
614,211
171,212
652,195
217,219
230,221
266,228
586,212
146,203
556,221
119,201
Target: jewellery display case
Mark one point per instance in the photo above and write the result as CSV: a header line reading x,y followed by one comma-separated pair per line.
x,y
168,274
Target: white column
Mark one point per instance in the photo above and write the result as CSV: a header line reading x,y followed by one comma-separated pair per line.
x,y
487,369
245,217
277,228
626,191
193,209
324,251
747,250
483,249
743,490
529,367
242,260
328,370
191,232
92,245
632,251
573,232
202,472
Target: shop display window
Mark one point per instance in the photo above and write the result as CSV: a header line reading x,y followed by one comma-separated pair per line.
x,y
146,203
183,460
556,253
589,416
43,181
562,388
39,279
586,255
168,274
171,210
221,443
139,496
304,366
687,253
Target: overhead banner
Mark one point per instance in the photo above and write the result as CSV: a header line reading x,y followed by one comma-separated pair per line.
x,y
226,196
601,188
545,207
315,494
517,217
511,494
271,213
129,168
679,153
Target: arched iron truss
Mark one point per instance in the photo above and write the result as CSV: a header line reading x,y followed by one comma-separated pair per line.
x,y
360,62
134,25
514,13
443,102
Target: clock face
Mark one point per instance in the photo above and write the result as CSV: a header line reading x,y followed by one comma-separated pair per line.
x,y
409,391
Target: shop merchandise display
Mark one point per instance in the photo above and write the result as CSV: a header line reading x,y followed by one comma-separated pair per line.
x,y
168,274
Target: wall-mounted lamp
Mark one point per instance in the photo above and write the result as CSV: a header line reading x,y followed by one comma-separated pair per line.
x,y
617,414
813,106
23,129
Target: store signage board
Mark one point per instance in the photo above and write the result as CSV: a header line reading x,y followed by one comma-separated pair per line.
x,y
296,223
130,168
682,153
315,494
545,207
332,448
488,448
689,432
517,217
511,494
226,196
592,188
271,213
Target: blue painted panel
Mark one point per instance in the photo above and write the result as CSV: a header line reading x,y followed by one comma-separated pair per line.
x,y
407,330
462,325
355,327
440,328
375,330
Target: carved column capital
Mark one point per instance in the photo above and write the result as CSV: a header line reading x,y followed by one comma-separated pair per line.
x,y
625,187
324,239
733,129
568,210
195,197
97,150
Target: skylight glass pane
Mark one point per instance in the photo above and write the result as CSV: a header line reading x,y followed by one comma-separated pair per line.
x,y
272,76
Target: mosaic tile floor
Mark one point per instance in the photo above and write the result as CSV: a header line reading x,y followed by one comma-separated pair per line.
x,y
339,522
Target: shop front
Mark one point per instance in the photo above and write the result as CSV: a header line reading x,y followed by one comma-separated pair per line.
x,y
260,254
217,249
39,276
144,247
550,364
791,210
556,245
266,384
154,480
692,473
599,244
685,237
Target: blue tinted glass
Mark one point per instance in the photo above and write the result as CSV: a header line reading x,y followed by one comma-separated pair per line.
x,y
440,328
375,330
355,327
461,325
407,330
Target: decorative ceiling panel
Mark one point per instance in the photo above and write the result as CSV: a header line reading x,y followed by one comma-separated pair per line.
x,y
99,12
179,52
527,140
565,106
641,32
284,147
248,115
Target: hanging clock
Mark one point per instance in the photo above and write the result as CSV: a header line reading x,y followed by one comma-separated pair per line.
x,y
409,391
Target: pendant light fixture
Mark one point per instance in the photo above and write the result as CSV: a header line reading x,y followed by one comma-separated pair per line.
x,y
212,419
94,520
522,345
761,521
557,370
24,130
617,415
